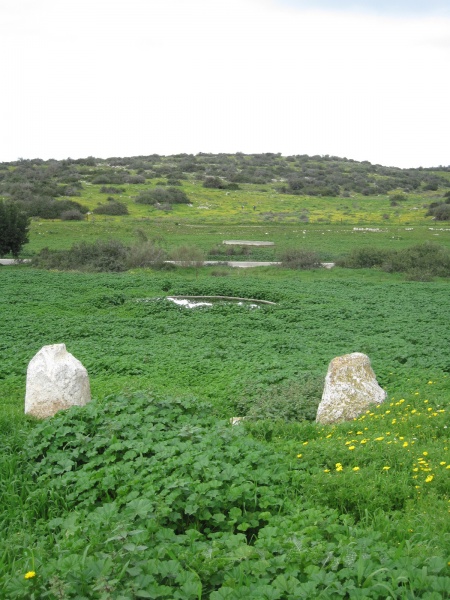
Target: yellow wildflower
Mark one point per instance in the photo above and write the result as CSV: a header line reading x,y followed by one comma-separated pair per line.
x,y
355,469
429,478
299,455
30,575
386,468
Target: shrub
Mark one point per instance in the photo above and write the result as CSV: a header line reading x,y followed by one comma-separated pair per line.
x,y
146,254
420,262
440,211
111,208
188,256
298,258
423,260
398,198
159,195
49,208
363,258
214,182
108,189
72,215
14,226
135,179
288,401
100,255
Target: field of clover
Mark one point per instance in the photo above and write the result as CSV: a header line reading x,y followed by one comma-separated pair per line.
x,y
149,492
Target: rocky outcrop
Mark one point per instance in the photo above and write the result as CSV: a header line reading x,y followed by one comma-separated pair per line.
x,y
56,380
350,388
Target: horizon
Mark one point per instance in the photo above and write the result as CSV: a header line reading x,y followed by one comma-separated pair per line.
x,y
200,153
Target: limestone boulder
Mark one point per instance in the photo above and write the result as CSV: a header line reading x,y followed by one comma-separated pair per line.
x,y
56,380
350,388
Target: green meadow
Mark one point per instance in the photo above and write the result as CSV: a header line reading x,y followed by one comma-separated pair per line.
x,y
149,491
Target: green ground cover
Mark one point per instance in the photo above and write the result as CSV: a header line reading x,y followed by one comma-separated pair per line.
x,y
330,241
150,493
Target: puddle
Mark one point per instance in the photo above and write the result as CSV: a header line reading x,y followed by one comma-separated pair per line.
x,y
194,302
188,303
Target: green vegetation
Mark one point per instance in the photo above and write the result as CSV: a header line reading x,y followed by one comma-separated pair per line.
x,y
149,492
14,227
325,204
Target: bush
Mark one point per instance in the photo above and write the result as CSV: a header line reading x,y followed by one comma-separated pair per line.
x,y
214,182
14,226
105,189
72,215
398,198
111,208
420,262
298,258
135,179
49,208
363,258
98,256
146,254
188,256
160,195
288,401
440,211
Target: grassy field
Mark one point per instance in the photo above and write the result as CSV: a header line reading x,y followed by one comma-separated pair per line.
x,y
148,492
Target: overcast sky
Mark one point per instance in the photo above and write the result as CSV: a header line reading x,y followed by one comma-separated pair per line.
x,y
367,80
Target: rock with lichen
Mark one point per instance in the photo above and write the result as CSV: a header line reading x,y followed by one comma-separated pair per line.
x,y
350,388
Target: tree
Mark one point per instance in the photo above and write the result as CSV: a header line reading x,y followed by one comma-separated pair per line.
x,y
14,226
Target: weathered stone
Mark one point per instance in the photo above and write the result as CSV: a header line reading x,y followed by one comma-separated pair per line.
x,y
350,388
56,380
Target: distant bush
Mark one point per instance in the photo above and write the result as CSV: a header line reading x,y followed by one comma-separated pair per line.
x,y
146,254
421,262
113,177
14,227
214,182
49,208
160,195
398,198
108,189
188,256
298,258
111,208
135,179
72,215
440,211
98,256
363,258
290,401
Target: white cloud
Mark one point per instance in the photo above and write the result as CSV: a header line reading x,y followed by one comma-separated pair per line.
x,y
166,76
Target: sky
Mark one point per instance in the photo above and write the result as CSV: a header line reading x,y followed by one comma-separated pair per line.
x,y
366,80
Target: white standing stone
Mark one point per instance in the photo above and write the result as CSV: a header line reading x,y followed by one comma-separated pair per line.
x,y
350,388
56,380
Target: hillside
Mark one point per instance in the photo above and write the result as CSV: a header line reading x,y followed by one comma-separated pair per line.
x,y
316,201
